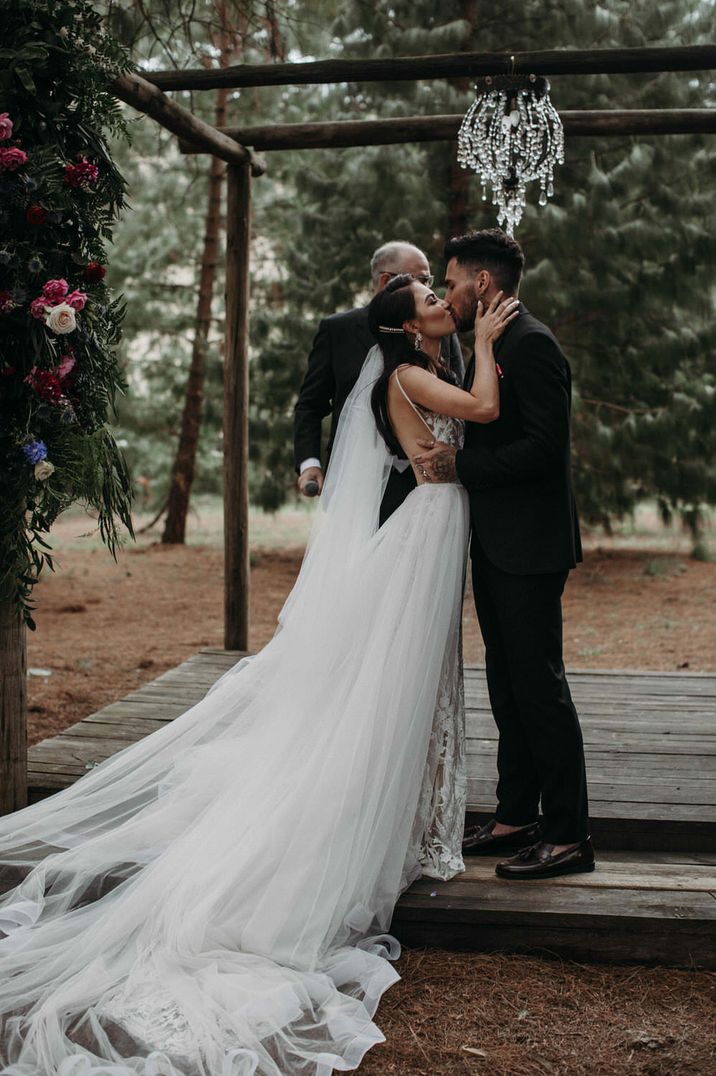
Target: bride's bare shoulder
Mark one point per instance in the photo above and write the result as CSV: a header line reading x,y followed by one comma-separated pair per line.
x,y
408,374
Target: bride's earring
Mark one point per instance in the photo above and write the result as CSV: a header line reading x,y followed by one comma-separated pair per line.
x,y
418,341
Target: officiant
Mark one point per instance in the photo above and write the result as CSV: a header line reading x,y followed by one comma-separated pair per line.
x,y
335,360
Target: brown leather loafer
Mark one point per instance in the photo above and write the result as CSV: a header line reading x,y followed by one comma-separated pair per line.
x,y
540,861
479,841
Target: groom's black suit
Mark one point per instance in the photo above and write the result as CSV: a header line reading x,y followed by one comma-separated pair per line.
x,y
525,538
338,353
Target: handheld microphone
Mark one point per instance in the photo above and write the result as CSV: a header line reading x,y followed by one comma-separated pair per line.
x,y
311,488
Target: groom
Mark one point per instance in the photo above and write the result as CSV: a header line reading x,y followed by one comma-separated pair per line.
x,y
525,539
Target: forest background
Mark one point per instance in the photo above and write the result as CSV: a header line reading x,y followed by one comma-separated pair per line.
x,y
621,263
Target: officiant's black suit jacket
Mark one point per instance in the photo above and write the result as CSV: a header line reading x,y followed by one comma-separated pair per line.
x,y
338,353
517,469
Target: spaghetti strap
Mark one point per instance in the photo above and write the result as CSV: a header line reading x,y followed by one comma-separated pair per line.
x,y
400,386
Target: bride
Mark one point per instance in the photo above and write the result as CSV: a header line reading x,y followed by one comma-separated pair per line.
x,y
214,899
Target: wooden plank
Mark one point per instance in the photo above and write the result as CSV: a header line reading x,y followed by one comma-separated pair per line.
x,y
625,791
688,948
447,65
509,902
341,134
610,874
144,96
657,675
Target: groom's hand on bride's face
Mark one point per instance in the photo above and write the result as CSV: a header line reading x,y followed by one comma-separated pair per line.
x,y
436,461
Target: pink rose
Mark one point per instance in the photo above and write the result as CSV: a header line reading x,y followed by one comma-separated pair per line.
x,y
76,299
6,302
12,158
38,308
5,126
55,290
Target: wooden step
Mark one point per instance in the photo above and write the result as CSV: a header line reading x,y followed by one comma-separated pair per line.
x,y
641,906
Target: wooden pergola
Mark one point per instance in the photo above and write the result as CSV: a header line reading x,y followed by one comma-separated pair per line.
x,y
240,147
237,145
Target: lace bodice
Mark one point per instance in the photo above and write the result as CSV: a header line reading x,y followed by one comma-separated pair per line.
x,y
442,427
451,431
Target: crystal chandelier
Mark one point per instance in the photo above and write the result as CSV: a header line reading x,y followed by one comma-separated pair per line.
x,y
510,135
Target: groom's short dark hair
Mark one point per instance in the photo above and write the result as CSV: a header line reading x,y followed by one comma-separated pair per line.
x,y
490,249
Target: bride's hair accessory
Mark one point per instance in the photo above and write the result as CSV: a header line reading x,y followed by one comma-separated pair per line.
x,y
388,329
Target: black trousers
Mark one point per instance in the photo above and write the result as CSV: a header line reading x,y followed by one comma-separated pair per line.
x,y
399,485
540,754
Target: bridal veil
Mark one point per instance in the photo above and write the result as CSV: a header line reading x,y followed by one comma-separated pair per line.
x,y
214,899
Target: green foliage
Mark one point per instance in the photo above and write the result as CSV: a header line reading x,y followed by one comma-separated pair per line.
x,y
60,194
620,264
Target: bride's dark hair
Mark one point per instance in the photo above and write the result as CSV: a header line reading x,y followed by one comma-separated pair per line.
x,y
389,309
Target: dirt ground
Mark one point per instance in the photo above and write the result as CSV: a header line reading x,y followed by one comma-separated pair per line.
x,y
455,1014
106,628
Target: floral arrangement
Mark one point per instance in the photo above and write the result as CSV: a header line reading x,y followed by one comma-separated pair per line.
x,y
60,194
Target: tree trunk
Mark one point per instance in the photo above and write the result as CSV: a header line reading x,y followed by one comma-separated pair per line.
x,y
184,467
13,709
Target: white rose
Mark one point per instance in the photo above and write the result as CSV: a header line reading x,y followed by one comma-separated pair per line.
x,y
61,319
43,470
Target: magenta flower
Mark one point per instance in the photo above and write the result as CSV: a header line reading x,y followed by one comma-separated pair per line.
x,y
81,176
39,307
12,158
54,291
6,302
76,299
66,366
5,126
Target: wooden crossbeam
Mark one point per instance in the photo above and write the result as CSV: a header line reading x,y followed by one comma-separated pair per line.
x,y
450,65
145,97
346,133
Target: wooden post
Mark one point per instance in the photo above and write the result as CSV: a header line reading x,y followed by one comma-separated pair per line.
x,y
13,709
236,409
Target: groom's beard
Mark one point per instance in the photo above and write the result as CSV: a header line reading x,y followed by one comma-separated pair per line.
x,y
465,318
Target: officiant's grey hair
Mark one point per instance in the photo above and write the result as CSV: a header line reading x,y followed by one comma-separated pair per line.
x,y
391,258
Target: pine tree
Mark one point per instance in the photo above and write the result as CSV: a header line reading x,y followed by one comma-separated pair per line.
x,y
184,467
620,263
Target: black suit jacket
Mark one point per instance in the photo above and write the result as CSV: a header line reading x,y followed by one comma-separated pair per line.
x,y
517,469
338,353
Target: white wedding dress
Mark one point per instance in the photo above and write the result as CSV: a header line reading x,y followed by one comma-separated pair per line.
x,y
214,899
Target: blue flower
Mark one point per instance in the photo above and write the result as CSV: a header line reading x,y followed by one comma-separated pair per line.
x,y
35,264
34,451
31,183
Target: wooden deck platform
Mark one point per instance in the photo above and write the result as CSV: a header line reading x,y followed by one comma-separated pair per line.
x,y
650,741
